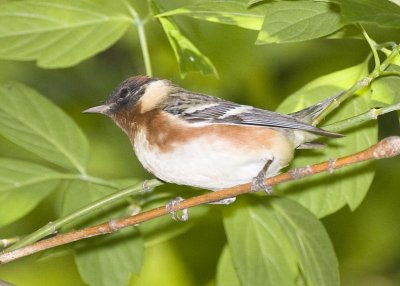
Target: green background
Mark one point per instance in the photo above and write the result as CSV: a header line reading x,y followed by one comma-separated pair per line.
x,y
366,240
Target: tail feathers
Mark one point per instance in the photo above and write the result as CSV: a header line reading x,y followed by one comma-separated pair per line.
x,y
323,132
308,114
311,145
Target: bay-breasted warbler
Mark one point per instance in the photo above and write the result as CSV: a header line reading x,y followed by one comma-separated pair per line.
x,y
193,139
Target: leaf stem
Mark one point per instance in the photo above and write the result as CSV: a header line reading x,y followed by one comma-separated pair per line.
x,y
345,95
142,37
145,49
390,59
372,45
52,227
379,71
361,118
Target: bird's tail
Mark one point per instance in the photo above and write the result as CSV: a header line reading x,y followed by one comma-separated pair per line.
x,y
308,114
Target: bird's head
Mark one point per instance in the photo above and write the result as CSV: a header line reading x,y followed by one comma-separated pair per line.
x,y
137,93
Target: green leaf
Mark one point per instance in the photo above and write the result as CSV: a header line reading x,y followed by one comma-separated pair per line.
x,y
270,240
235,13
189,57
110,260
325,193
36,124
316,256
107,260
396,61
384,13
60,33
294,21
22,186
261,252
226,275
386,90
252,2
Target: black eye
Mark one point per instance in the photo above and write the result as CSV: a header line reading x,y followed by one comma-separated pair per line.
x,y
123,93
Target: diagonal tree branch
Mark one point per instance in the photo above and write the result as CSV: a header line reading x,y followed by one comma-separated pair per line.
x,y
386,148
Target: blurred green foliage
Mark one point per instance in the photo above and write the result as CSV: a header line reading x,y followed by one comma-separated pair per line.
x,y
365,241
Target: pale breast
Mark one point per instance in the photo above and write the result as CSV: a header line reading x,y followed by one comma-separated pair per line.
x,y
210,156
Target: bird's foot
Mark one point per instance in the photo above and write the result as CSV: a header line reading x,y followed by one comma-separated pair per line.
x,y
258,182
181,215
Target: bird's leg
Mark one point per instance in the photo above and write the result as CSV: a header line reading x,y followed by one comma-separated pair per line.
x,y
258,182
175,215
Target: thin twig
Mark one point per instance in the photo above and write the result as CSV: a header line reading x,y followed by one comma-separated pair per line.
x,y
52,227
386,148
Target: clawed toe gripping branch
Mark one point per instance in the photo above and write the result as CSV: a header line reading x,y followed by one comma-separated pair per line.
x,y
386,148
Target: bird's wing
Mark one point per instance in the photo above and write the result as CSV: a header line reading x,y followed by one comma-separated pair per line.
x,y
203,108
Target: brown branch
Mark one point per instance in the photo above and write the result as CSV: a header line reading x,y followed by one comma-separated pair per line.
x,y
386,148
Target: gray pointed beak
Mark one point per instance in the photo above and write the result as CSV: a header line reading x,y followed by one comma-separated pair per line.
x,y
103,109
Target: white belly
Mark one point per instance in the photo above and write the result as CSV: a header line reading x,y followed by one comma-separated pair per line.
x,y
207,164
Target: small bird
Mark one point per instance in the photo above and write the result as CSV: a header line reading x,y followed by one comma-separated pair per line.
x,y
198,140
